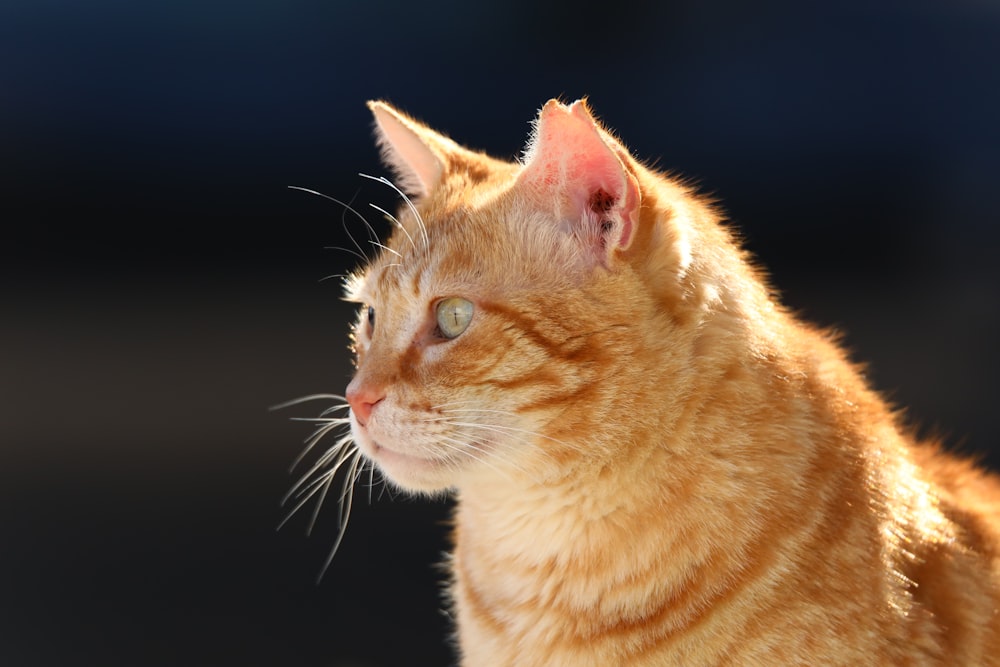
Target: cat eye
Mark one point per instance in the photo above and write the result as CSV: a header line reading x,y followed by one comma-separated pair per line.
x,y
371,316
453,316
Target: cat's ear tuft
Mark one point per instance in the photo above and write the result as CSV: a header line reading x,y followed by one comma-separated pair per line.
x,y
415,153
577,167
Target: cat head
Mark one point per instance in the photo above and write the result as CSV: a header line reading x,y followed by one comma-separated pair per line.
x,y
504,328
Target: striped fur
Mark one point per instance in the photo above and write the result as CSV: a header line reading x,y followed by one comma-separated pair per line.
x,y
655,463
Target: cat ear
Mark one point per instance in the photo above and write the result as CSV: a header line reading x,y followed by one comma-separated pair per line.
x,y
415,153
578,167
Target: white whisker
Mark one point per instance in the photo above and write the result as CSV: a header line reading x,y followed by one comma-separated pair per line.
x,y
395,222
483,447
497,412
306,488
409,203
314,487
449,403
319,504
386,248
342,276
346,501
311,441
499,428
304,399
339,451
360,255
507,442
341,458
464,448
371,478
335,408
326,196
347,207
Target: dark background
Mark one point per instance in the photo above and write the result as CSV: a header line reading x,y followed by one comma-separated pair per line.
x,y
160,287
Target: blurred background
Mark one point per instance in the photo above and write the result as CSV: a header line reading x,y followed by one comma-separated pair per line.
x,y
160,286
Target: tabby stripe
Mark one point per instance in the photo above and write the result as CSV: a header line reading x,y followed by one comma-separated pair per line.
x,y
415,280
824,535
473,601
556,348
695,605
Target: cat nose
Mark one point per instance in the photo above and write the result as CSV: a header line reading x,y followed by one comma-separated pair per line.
x,y
362,398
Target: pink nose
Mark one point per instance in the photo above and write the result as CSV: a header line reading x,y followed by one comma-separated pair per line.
x,y
362,398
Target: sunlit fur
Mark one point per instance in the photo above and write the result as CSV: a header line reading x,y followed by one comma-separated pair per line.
x,y
654,462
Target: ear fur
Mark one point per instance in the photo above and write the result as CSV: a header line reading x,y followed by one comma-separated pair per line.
x,y
416,154
576,165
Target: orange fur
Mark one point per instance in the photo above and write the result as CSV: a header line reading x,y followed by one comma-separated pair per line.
x,y
655,463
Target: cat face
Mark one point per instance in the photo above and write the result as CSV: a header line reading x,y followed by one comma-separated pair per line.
x,y
494,321
453,356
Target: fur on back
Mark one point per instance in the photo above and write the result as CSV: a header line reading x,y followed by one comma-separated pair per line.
x,y
654,462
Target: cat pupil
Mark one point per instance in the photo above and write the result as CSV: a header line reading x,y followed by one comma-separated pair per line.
x,y
371,316
454,315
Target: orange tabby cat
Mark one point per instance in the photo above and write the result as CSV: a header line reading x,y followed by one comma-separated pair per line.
x,y
654,462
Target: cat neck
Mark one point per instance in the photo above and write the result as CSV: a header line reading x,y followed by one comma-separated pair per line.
x,y
692,466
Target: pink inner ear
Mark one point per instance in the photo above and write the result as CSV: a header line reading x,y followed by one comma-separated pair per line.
x,y
570,163
418,169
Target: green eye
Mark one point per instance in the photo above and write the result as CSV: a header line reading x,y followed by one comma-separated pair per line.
x,y
453,316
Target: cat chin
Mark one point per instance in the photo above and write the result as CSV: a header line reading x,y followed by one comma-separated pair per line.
x,y
409,472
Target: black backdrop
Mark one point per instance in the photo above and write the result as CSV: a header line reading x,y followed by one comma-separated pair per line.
x,y
161,286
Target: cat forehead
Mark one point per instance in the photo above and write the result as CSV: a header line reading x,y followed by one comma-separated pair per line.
x,y
444,261
434,273
469,257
